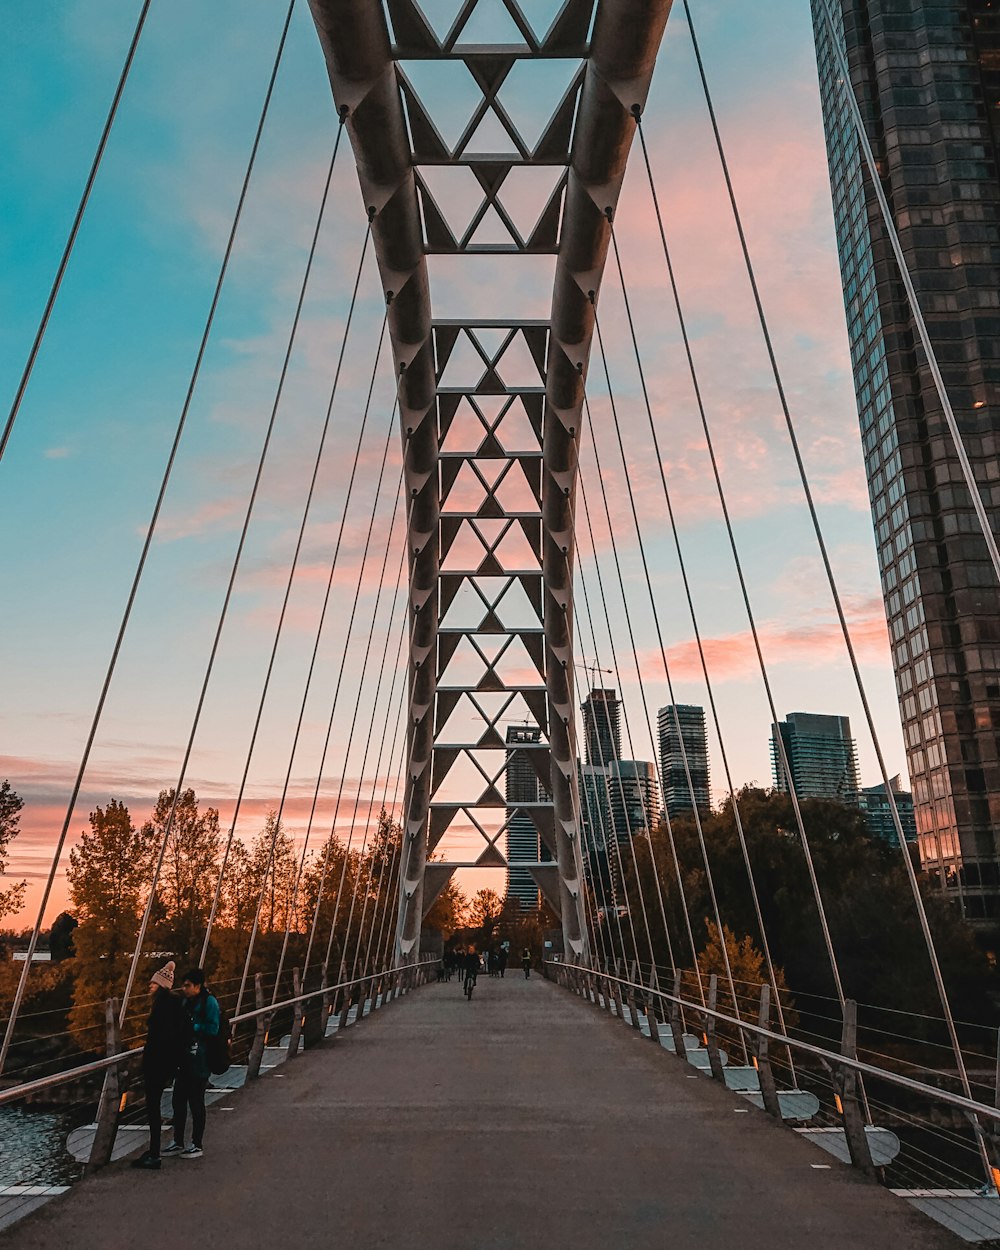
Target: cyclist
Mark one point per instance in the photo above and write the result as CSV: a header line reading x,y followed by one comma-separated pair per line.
x,y
471,971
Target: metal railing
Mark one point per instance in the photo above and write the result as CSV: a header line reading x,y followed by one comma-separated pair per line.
x,y
403,977
613,991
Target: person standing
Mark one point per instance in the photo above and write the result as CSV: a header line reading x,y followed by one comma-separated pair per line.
x,y
168,1033
502,960
526,962
195,1069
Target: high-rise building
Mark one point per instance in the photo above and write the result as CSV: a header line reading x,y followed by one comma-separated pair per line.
x,y
523,842
822,757
602,734
596,827
878,812
635,797
928,80
690,720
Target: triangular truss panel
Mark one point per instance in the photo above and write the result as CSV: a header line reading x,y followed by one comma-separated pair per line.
x,y
486,128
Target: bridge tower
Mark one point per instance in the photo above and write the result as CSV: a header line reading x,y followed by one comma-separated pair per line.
x,y
490,407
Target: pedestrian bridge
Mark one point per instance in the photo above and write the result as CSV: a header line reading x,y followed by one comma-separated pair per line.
x,y
526,1116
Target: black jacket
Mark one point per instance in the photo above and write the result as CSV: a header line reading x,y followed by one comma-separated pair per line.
x,y
168,1038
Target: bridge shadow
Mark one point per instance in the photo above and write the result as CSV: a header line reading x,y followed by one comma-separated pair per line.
x,y
520,1118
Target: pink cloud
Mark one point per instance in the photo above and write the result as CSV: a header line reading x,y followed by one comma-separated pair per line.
x,y
810,644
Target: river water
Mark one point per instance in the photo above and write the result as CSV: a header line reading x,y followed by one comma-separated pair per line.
x,y
33,1147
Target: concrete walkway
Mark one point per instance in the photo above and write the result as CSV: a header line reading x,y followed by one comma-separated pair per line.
x,y
523,1118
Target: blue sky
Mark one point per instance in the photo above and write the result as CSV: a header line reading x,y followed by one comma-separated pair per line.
x,y
79,477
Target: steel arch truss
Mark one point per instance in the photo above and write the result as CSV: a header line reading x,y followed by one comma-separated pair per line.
x,y
491,409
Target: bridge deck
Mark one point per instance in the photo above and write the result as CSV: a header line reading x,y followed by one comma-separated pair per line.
x,y
521,1118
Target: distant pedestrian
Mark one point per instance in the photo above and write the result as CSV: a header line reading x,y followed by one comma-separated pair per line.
x,y
491,962
168,1036
526,962
196,1069
502,960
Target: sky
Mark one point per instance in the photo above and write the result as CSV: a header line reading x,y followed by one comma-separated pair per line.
x,y
78,481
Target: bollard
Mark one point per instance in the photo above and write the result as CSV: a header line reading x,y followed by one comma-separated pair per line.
x,y
651,1008
677,1020
765,1074
633,1001
112,1092
256,1055
847,1094
295,1035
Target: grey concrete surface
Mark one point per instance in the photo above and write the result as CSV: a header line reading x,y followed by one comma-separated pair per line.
x,y
523,1118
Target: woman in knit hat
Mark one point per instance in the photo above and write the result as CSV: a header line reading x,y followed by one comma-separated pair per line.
x,y
168,1037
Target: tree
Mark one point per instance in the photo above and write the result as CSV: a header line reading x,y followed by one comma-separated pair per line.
x,y
275,867
109,875
485,910
449,911
61,944
12,898
190,868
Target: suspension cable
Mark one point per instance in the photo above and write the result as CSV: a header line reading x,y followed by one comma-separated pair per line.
x,y
233,573
604,763
667,823
709,877
328,848
396,671
378,693
302,711
147,544
36,345
828,567
786,770
390,701
293,569
682,564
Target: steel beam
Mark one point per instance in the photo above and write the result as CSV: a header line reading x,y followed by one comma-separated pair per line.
x,y
618,67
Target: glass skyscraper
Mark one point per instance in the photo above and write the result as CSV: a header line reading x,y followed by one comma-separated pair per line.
x,y
602,734
822,757
676,792
927,76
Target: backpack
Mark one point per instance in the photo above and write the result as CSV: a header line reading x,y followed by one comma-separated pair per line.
x,y
217,1048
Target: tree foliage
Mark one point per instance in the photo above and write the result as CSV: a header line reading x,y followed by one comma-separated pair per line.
x,y
110,870
189,872
11,898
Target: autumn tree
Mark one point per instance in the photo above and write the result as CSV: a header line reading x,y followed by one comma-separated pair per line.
x,y
485,910
449,912
11,898
275,867
190,868
109,875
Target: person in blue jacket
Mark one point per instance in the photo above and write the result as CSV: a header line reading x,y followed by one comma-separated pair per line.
x,y
192,1079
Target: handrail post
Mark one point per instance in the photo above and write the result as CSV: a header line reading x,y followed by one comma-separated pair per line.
x,y
295,1035
314,1024
109,1112
616,989
345,1006
677,1019
765,1073
606,986
847,1095
256,1055
651,1006
711,1030
633,1003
